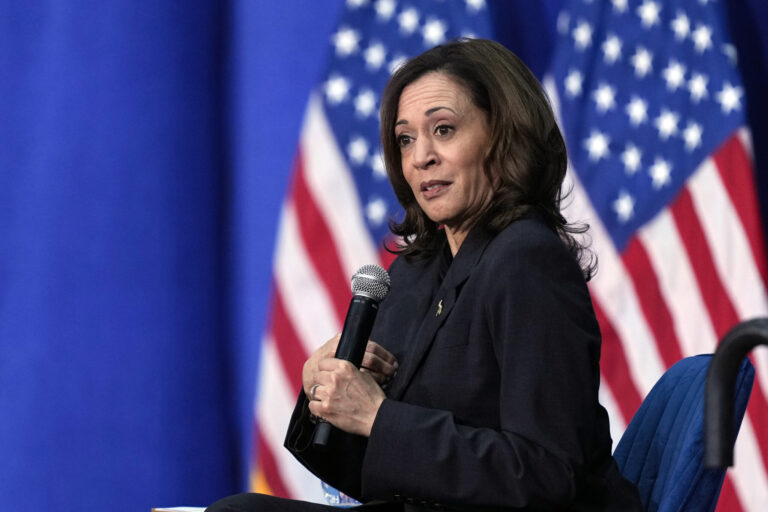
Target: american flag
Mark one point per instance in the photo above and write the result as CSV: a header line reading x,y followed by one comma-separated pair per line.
x,y
653,112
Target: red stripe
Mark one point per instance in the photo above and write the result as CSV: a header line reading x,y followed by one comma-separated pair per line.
x,y
268,464
613,366
721,311
316,236
652,301
729,500
287,343
736,173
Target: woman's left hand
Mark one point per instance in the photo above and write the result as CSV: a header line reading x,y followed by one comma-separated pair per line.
x,y
346,397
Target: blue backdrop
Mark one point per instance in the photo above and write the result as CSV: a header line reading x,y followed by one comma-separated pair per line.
x,y
144,151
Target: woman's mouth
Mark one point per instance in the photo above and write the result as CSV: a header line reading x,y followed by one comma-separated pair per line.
x,y
433,188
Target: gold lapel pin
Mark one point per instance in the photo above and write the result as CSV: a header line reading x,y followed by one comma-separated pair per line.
x,y
439,308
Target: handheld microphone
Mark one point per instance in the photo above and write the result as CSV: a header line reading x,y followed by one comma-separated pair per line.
x,y
370,285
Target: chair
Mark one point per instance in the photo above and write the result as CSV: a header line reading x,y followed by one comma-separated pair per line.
x,y
662,448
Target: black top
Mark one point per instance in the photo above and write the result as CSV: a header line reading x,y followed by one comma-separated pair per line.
x,y
495,403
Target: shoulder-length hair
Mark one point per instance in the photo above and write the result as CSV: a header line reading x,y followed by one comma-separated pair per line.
x,y
526,156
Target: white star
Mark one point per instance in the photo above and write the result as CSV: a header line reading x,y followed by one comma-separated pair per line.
x,y
582,35
702,38
729,98
697,86
611,49
619,5
637,110
408,20
563,22
475,5
376,211
365,103
624,206
681,26
674,74
357,149
666,123
642,61
377,164
730,51
385,9
434,32
660,172
374,56
354,4
346,41
604,97
397,62
573,83
631,157
597,145
649,13
692,136
336,89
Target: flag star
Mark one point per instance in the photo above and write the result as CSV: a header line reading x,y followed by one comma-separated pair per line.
x,y
563,22
642,61
357,149
374,56
396,63
619,5
376,211
666,123
582,35
434,32
661,173
573,83
346,41
631,158
729,98
730,51
354,4
702,38
674,74
611,49
681,26
336,89
697,86
384,9
365,103
604,97
649,13
597,145
408,20
637,110
475,5
377,164
624,206
692,136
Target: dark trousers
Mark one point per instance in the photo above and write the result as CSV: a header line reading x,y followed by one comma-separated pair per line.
x,y
252,502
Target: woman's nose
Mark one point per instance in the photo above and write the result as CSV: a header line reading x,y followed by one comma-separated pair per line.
x,y
424,154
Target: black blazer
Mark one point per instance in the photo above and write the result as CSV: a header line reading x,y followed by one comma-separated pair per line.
x,y
495,403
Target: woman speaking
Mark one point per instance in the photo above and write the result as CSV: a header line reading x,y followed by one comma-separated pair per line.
x,y
481,388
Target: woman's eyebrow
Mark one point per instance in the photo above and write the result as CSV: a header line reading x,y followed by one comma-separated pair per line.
x,y
427,113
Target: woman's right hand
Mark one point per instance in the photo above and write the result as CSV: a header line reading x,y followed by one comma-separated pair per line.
x,y
378,362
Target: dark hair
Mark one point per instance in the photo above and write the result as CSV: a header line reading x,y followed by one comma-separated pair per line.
x,y
526,157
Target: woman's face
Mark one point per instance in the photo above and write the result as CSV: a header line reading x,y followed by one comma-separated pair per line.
x,y
443,138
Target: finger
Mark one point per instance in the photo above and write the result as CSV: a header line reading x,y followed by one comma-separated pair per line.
x,y
377,365
379,351
332,364
380,379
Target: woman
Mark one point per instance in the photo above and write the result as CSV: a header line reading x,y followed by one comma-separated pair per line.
x,y
482,389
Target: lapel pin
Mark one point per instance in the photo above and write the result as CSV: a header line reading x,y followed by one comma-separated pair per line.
x,y
439,308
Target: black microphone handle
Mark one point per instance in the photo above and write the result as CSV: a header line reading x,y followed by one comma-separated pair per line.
x,y
354,338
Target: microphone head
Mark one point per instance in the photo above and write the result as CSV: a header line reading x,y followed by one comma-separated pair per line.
x,y
371,281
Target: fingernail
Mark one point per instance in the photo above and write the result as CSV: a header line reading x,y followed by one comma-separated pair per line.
x,y
396,365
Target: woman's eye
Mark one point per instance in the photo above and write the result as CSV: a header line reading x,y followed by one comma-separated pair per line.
x,y
443,130
403,140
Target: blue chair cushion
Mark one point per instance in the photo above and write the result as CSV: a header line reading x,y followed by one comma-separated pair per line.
x,y
662,449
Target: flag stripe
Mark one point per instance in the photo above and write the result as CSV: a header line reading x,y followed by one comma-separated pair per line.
x,y
315,233
735,168
288,346
651,300
268,464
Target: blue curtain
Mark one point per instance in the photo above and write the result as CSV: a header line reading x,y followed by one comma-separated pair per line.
x,y
144,151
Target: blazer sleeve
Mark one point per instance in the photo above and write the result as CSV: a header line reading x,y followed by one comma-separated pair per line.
x,y
546,341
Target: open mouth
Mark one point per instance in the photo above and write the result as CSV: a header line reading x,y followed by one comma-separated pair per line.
x,y
433,188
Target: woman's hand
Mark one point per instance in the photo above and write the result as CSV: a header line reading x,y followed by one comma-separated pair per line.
x,y
346,397
378,362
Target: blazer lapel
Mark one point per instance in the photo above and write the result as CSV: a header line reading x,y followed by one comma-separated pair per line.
x,y
440,309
